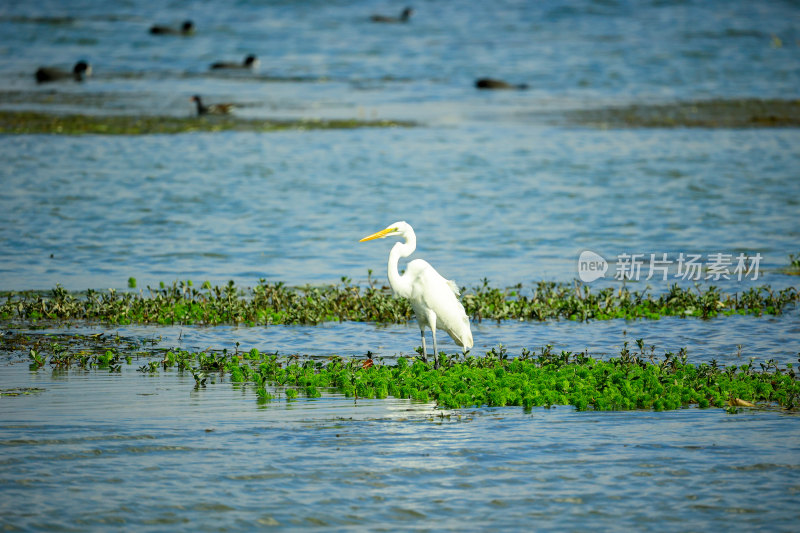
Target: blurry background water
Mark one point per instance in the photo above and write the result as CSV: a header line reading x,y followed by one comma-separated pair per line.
x,y
497,186
493,190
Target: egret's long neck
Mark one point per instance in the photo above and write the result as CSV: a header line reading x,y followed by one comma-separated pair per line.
x,y
401,284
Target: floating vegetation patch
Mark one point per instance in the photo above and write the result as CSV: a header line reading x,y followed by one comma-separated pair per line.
x,y
54,21
21,391
794,265
61,351
744,113
633,380
27,122
277,303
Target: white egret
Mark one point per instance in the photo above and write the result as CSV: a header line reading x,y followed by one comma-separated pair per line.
x,y
433,298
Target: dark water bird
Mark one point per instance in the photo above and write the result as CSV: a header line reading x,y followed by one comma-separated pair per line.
x,y
489,83
211,109
433,298
80,72
187,28
250,61
404,16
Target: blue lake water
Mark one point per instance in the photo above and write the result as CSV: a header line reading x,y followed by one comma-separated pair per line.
x,y
728,340
96,450
493,189
507,203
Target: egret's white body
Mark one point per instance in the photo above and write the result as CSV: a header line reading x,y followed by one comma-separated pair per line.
x,y
433,298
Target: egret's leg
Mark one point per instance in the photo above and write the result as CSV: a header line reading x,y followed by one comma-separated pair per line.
x,y
432,324
424,351
435,351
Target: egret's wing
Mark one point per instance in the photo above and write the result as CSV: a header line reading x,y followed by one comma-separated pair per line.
x,y
431,291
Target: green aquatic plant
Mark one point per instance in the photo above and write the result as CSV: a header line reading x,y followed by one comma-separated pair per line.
x,y
277,303
200,379
151,367
76,350
110,359
634,379
291,394
629,381
794,265
37,360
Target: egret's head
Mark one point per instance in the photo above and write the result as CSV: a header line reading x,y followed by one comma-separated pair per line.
x,y
398,228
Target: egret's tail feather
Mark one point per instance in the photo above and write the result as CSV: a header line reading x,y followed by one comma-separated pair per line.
x,y
453,286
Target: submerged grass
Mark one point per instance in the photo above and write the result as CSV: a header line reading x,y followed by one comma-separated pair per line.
x,y
277,303
29,122
62,352
630,381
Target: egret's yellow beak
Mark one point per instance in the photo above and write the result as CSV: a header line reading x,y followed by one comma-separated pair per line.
x,y
380,235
